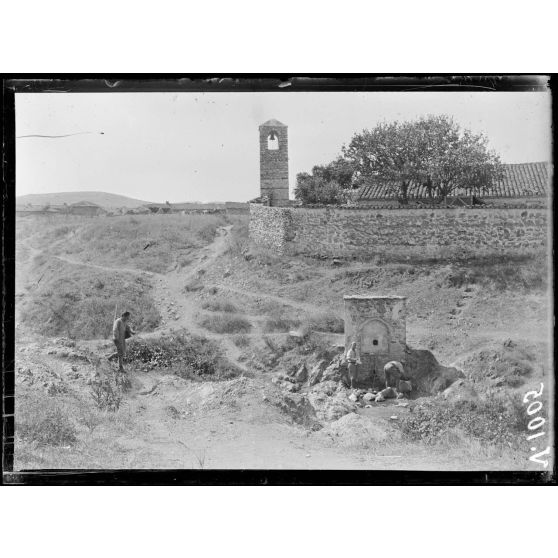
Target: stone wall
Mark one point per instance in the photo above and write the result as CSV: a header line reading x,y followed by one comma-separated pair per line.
x,y
364,232
269,226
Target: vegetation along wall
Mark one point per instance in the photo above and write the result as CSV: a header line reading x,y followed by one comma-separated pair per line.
x,y
340,231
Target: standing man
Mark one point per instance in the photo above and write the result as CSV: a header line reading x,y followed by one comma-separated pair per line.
x,y
352,360
121,331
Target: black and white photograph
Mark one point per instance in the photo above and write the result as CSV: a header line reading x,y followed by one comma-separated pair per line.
x,y
274,278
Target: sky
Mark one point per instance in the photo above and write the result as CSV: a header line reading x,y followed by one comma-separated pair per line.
x,y
204,146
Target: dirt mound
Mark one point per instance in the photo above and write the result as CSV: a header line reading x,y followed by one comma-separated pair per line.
x,y
354,430
460,390
297,407
427,375
330,402
227,393
504,364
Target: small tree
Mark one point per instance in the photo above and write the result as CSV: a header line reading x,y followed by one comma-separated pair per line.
x,y
339,171
328,184
315,189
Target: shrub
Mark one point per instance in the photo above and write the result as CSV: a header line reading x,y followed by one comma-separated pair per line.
x,y
193,286
106,393
90,418
323,321
45,424
183,354
511,273
241,340
315,190
496,419
61,231
226,324
280,323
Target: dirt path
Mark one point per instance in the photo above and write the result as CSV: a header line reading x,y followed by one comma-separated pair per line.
x,y
273,298
177,305
111,269
179,310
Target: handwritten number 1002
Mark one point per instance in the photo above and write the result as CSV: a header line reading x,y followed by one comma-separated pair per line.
x,y
535,423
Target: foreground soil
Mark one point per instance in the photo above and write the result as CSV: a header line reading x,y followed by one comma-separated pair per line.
x,y
165,421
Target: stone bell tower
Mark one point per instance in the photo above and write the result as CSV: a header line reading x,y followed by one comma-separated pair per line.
x,y
274,162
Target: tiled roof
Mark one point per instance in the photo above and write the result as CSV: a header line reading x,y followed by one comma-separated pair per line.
x,y
519,180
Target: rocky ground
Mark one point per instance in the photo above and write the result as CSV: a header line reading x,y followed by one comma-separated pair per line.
x,y
306,420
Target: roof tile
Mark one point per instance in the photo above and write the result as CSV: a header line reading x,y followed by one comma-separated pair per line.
x,y
519,180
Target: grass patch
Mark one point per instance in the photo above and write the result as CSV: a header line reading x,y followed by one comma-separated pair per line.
x,y
280,324
323,321
501,274
237,241
149,242
226,324
219,305
45,423
79,303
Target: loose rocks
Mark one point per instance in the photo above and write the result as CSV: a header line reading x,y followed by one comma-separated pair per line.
x,y
316,374
387,393
299,408
301,374
330,408
336,371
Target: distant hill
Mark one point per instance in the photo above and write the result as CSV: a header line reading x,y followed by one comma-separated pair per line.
x,y
104,199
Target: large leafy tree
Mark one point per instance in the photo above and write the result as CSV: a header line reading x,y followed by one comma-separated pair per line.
x,y
467,165
432,152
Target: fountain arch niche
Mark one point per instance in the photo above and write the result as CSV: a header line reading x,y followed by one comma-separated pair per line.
x,y
378,325
374,337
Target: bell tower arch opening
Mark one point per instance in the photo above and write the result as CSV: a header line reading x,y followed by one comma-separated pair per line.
x,y
273,141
